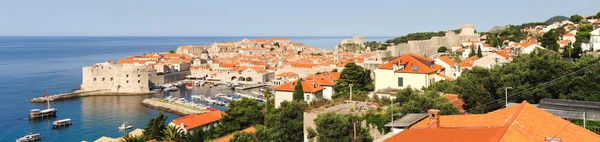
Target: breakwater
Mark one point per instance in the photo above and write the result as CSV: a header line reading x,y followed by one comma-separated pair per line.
x,y
77,94
171,107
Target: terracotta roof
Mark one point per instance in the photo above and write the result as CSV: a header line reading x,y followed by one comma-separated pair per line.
x,y
130,61
456,101
445,77
260,40
596,22
521,122
171,55
227,65
228,138
278,38
503,53
226,44
468,62
412,63
288,74
307,86
568,34
258,69
448,61
195,120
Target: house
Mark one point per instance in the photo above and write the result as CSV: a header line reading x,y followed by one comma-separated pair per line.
x,y
490,60
285,77
327,80
450,65
407,70
253,51
312,90
280,40
517,123
569,36
594,38
227,138
198,121
528,47
467,64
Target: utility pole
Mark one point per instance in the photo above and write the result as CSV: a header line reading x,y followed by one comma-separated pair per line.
x,y
506,95
584,119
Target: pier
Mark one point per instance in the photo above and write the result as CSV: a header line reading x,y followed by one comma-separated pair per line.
x,y
172,107
76,94
250,87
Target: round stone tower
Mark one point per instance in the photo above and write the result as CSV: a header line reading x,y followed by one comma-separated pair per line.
x,y
467,29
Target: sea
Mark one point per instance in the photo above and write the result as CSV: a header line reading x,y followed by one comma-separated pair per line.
x,y
31,64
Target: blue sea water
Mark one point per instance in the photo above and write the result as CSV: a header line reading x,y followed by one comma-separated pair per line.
x,y
28,65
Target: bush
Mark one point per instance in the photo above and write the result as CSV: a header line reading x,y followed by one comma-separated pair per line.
x,y
442,49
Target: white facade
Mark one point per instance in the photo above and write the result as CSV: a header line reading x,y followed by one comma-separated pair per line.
x,y
530,48
385,78
281,96
595,40
490,61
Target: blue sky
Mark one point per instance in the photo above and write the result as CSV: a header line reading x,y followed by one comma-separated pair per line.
x,y
384,18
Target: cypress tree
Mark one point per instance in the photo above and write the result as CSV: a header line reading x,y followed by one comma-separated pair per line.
x,y
479,54
298,92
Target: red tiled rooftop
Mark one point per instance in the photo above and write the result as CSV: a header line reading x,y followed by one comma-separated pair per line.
x,y
194,120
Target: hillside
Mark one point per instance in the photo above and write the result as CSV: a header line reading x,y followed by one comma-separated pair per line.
x,y
556,19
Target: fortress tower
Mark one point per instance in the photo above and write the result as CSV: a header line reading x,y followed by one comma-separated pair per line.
x,y
467,29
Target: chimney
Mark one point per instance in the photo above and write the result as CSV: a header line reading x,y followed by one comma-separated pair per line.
x,y
434,118
551,139
182,126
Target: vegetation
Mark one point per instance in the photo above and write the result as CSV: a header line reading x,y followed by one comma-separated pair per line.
x,y
284,123
298,94
442,49
351,47
575,18
373,44
240,115
583,35
479,54
556,19
417,36
356,75
155,126
549,40
171,51
339,127
157,130
270,105
415,101
275,44
483,89
243,137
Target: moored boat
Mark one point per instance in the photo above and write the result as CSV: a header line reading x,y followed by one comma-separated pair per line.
x,y
30,138
48,112
62,122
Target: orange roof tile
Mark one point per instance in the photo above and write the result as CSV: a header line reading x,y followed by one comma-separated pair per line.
x,y
195,120
448,61
226,44
456,101
445,77
278,38
468,62
411,62
288,74
228,138
521,122
307,86
596,22
503,53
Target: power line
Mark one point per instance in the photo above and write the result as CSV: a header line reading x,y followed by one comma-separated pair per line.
x,y
485,106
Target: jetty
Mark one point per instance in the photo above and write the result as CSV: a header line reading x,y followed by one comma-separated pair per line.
x,y
173,107
249,87
76,94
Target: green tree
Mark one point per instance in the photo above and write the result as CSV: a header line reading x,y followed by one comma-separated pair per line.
x,y
271,49
549,40
270,100
334,70
128,138
276,44
479,54
332,127
442,49
172,133
194,136
298,94
155,126
243,137
356,75
240,115
285,122
575,18
312,134
171,51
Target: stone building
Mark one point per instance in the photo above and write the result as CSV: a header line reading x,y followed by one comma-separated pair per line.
x,y
430,46
360,40
115,78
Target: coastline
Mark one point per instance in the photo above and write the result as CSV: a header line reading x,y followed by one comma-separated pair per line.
x,y
77,94
171,107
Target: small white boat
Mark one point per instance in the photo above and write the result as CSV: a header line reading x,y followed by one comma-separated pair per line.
x,y
30,138
62,122
123,127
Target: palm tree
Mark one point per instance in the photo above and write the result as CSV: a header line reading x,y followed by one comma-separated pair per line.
x,y
173,133
128,138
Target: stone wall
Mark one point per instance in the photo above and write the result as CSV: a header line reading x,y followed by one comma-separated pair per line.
x,y
115,78
430,46
167,78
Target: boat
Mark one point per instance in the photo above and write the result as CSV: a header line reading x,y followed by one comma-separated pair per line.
x,y
48,112
123,127
62,122
30,138
189,86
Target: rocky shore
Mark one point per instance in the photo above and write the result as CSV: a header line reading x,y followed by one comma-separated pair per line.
x,y
172,107
77,94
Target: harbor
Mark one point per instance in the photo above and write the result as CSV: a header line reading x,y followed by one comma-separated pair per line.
x,y
76,94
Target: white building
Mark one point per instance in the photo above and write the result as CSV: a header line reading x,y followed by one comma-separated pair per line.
x,y
115,78
408,70
490,60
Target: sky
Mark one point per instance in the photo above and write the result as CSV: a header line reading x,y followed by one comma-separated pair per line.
x,y
374,18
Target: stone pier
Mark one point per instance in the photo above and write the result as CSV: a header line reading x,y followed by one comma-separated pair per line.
x,y
76,94
171,107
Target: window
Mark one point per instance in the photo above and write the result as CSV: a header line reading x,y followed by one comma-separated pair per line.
x,y
94,79
103,79
111,79
127,75
400,82
127,81
139,81
139,75
307,97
